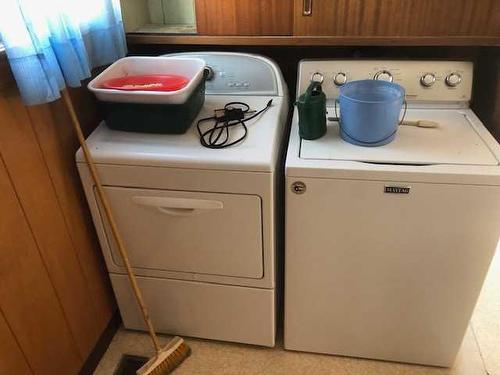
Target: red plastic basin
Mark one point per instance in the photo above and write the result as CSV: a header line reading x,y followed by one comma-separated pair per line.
x,y
165,82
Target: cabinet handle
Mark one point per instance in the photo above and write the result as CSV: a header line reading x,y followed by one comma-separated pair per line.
x,y
307,10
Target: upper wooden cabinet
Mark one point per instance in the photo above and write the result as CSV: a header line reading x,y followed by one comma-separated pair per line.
x,y
397,18
244,17
319,22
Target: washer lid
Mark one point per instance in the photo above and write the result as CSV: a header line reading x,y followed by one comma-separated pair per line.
x,y
455,141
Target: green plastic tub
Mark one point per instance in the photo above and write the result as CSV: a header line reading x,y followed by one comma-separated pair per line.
x,y
155,118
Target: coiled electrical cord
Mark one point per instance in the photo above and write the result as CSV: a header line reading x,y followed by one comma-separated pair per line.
x,y
233,114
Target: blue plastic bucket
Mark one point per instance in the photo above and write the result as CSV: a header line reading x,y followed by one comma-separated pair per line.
x,y
369,112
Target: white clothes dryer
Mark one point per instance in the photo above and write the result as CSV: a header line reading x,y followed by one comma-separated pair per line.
x,y
199,223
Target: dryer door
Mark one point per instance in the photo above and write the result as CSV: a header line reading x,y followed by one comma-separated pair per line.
x,y
195,232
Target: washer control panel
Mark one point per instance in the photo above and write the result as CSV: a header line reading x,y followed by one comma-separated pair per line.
x,y
424,81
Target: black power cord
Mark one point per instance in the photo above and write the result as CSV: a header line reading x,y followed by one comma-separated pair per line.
x,y
233,114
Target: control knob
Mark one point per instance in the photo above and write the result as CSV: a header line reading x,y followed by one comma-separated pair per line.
x,y
340,79
427,80
209,73
453,79
384,75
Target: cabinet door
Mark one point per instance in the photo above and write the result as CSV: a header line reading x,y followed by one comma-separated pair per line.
x,y
244,17
397,18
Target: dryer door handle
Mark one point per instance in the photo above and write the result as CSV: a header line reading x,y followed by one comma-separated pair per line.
x,y
178,206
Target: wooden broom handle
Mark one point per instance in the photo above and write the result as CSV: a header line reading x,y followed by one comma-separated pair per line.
x,y
111,220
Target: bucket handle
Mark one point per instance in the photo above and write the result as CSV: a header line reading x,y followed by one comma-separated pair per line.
x,y
381,140
400,122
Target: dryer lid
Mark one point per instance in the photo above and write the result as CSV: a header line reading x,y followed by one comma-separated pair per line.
x,y
455,141
259,151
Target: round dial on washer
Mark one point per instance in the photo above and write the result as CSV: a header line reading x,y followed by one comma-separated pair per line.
x,y
453,79
384,75
209,73
428,79
340,79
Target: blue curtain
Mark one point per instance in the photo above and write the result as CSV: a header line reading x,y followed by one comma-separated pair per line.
x,y
53,43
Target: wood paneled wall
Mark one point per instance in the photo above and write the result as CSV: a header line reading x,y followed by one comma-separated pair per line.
x,y
55,297
487,91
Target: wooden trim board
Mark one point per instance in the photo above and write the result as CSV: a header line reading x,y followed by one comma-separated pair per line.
x,y
310,40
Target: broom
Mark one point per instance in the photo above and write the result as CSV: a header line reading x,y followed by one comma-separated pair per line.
x,y
172,355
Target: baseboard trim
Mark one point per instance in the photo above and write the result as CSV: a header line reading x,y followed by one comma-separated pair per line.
x,y
102,345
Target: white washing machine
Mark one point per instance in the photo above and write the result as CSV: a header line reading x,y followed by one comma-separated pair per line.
x,y
199,223
387,248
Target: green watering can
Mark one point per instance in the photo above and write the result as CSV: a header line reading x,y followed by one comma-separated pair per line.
x,y
312,112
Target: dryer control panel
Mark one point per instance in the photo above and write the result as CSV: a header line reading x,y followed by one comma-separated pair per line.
x,y
239,74
424,81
